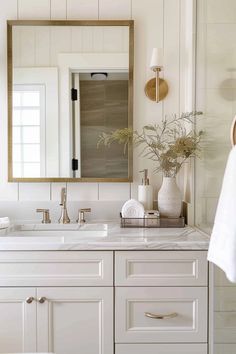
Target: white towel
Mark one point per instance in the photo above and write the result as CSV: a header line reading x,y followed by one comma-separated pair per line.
x,y
4,222
222,248
132,209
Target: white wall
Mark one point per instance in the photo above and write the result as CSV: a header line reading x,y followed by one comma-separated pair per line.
x,y
158,23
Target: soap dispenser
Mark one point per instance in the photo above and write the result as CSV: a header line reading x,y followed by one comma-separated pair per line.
x,y
145,192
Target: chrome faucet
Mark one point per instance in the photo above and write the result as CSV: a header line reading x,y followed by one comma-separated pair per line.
x,y
64,218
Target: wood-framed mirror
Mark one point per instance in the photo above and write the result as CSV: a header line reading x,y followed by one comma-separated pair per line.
x,y
69,81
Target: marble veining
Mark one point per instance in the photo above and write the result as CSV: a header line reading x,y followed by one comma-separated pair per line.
x,y
188,238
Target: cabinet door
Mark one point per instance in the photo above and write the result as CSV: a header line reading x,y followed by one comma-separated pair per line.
x,y
17,320
75,320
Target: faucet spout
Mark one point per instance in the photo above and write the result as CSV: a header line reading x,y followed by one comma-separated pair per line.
x,y
64,218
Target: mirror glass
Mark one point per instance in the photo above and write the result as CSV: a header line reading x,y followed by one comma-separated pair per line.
x,y
70,83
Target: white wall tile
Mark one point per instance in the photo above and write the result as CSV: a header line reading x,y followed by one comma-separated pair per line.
x,y
82,9
225,349
114,9
34,191
56,191
8,191
221,12
220,279
114,191
29,9
58,9
219,103
220,56
82,192
225,327
225,298
211,209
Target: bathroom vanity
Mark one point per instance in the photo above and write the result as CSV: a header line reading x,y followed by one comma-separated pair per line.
x,y
131,292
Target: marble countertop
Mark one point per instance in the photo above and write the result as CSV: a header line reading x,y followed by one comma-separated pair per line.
x,y
117,238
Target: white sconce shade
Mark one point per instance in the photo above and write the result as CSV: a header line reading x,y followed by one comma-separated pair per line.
x,y
157,58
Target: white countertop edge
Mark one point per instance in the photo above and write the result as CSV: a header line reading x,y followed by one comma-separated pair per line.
x,y
188,238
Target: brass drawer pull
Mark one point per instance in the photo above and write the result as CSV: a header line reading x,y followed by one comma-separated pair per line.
x,y
29,300
42,300
161,317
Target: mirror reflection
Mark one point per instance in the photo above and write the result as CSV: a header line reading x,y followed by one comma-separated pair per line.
x,y
70,84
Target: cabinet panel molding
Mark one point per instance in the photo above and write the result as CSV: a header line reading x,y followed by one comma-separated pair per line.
x,y
63,268
161,268
75,320
161,348
17,320
184,311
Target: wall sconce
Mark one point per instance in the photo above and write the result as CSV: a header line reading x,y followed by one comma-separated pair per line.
x,y
156,89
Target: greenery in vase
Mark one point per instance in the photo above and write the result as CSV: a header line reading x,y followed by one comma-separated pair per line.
x,y
169,144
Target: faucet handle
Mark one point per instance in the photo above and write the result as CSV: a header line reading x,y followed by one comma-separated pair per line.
x,y
46,215
81,219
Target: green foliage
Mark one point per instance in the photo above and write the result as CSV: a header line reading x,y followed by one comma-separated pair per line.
x,y
169,144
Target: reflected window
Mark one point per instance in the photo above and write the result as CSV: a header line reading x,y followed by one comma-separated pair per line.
x,y
28,130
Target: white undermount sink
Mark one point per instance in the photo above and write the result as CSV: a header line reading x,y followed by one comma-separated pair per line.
x,y
95,230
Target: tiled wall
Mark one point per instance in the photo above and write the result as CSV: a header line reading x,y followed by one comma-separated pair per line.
x,y
152,29
216,97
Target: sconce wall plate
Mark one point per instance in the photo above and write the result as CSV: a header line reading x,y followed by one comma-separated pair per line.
x,y
150,89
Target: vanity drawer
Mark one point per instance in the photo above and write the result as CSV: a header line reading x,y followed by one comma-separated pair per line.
x,y
187,305
161,268
161,349
63,268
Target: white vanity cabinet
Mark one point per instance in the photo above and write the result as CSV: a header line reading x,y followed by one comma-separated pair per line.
x,y
70,310
161,302
104,302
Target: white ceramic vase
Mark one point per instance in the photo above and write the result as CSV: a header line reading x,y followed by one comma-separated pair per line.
x,y
169,198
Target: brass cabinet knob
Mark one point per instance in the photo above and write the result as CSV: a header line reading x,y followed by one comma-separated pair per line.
x,y
29,299
42,299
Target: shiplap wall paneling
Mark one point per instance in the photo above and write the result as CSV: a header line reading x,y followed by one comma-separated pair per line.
x,y
117,10
148,34
172,55
152,29
82,9
28,9
58,9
